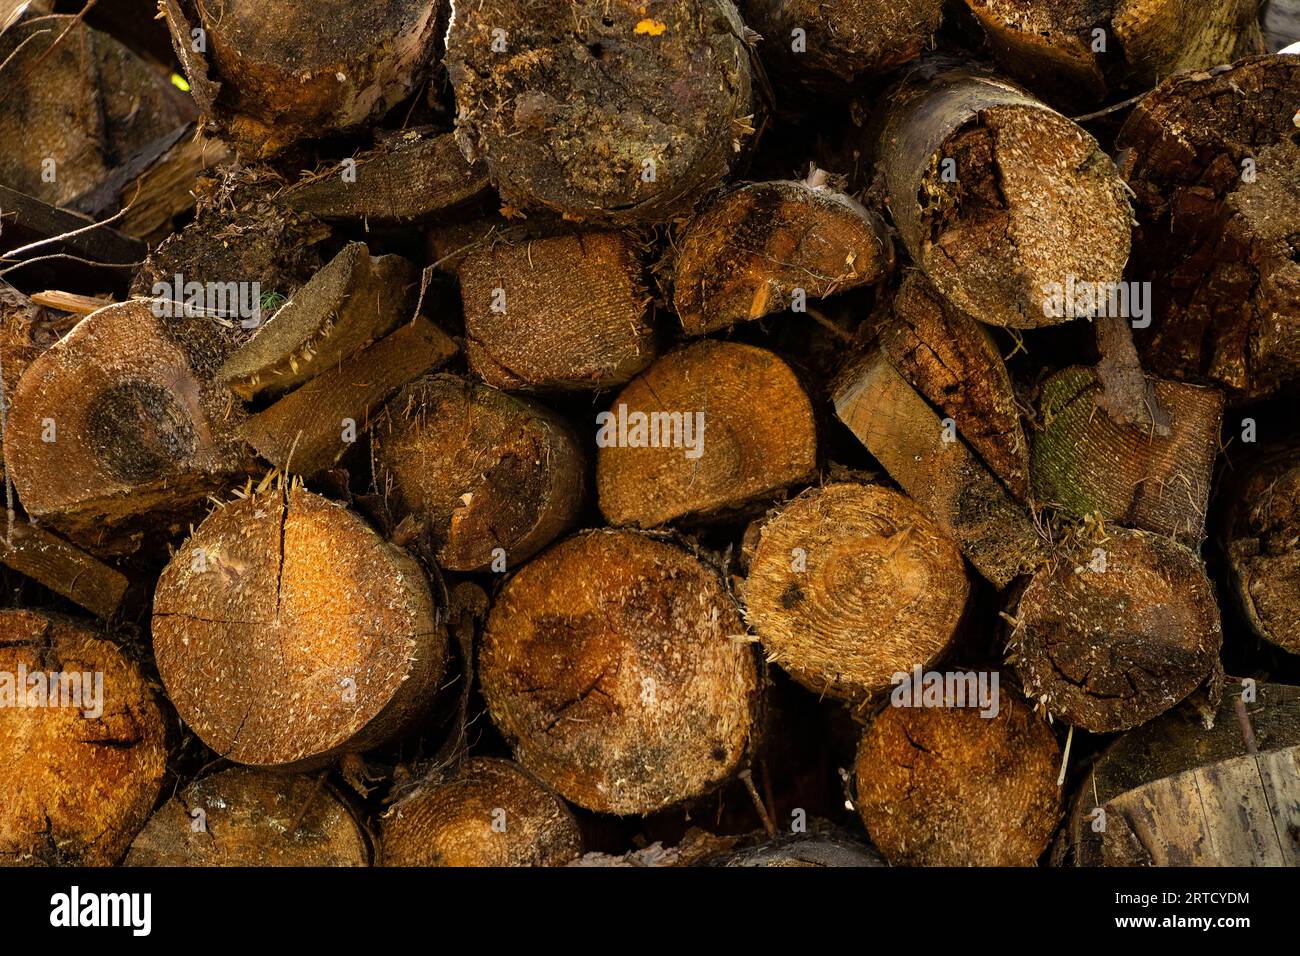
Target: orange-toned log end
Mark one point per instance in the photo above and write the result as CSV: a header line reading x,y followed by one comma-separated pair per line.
x,y
83,744
492,478
565,312
490,812
708,429
768,246
946,786
119,418
246,817
1114,633
617,666
852,584
288,632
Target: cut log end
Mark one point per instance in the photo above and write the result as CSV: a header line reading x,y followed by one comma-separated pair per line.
x,y
613,666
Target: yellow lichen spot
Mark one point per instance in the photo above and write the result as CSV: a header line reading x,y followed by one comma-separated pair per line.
x,y
652,27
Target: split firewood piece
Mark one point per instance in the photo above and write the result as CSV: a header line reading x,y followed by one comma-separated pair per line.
x,y
413,179
954,363
245,817
832,45
356,299
617,111
827,848
697,847
287,632
566,312
1215,166
27,328
1127,395
851,585
1084,462
1239,812
927,457
62,567
952,786
1000,200
312,427
490,477
29,221
269,83
120,422
1082,50
766,247
1261,535
616,666
489,812
82,744
708,429
1173,744
1113,633
155,199
78,105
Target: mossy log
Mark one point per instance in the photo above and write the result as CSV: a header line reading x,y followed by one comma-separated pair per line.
x,y
617,667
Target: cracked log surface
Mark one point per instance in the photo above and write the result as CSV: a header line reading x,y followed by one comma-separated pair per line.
x,y
246,817
488,812
617,667
287,632
947,786
76,788
1113,633
851,584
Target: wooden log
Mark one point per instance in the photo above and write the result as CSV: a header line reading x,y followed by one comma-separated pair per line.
x,y
158,198
568,312
411,180
1212,160
120,423
1170,745
312,427
935,467
1259,540
998,198
1079,50
491,478
766,247
951,360
618,112
28,221
828,848
82,743
947,786
1115,631
268,83
841,42
80,103
63,568
288,633
489,812
1238,812
1084,462
245,817
709,429
612,665
851,585
354,300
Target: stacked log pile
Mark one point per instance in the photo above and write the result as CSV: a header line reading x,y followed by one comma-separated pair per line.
x,y
681,432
